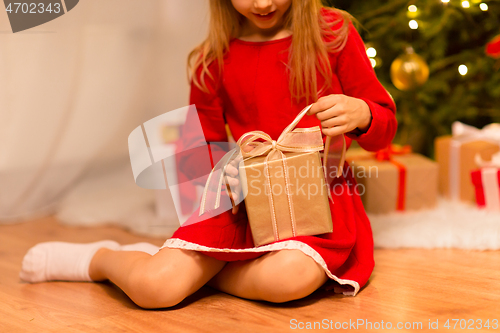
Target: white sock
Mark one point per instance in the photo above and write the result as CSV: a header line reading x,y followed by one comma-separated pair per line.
x,y
61,261
142,247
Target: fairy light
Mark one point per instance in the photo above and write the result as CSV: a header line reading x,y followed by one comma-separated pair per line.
x,y
483,7
462,69
466,4
412,8
373,62
445,1
371,52
413,24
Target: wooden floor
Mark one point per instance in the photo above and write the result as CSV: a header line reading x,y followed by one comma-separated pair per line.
x,y
407,286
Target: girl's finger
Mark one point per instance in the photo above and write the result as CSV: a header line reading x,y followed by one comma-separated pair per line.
x,y
320,105
233,182
231,170
332,122
333,131
324,103
334,111
235,161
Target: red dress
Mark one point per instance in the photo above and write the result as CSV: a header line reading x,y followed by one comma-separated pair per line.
x,y
252,93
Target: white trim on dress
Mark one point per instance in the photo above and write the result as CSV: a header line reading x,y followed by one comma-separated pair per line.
x,y
177,243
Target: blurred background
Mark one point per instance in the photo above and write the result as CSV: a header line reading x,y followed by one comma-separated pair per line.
x,y
73,89
431,55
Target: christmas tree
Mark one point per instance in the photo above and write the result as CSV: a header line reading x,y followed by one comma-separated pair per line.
x,y
447,41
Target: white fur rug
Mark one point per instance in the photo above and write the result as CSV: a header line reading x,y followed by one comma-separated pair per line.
x,y
449,225
114,198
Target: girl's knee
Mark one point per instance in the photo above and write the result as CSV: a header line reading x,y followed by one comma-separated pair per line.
x,y
165,279
156,288
291,277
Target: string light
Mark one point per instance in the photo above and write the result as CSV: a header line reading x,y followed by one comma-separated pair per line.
x,y
412,12
413,24
371,52
462,69
373,62
445,1
412,8
466,4
483,7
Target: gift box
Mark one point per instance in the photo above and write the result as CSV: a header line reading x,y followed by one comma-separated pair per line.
x,y
486,182
283,183
394,179
455,156
283,196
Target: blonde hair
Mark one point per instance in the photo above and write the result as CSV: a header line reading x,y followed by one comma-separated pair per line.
x,y
313,39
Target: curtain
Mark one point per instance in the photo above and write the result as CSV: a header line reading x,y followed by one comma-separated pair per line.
x,y
72,90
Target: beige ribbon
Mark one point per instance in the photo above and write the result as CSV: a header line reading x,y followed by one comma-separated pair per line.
x,y
290,140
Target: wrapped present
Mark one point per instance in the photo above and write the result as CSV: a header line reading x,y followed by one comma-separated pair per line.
x,y
283,183
455,156
486,181
394,179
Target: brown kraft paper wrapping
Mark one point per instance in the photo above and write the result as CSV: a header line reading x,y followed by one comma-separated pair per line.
x,y
468,151
379,181
309,194
298,204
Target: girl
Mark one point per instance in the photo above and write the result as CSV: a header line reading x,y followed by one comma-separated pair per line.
x,y
263,62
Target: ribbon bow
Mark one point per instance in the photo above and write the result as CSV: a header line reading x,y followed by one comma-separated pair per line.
x,y
462,131
494,163
391,150
297,141
290,140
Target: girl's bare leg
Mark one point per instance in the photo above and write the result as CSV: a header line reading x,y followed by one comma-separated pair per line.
x,y
277,277
158,281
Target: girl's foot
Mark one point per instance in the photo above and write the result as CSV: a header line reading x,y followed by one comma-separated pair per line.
x,y
61,261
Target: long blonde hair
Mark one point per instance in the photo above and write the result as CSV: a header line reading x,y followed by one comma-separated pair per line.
x,y
313,39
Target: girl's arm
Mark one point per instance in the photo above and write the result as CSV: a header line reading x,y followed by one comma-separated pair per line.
x,y
194,161
365,111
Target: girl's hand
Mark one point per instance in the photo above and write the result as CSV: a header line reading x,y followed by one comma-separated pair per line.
x,y
233,180
341,114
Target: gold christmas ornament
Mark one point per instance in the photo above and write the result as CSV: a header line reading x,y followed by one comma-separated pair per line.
x,y
409,71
